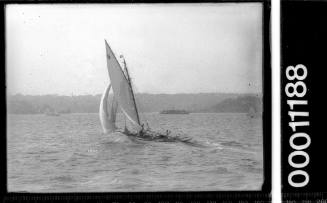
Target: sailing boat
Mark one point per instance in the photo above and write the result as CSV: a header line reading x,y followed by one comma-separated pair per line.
x,y
123,98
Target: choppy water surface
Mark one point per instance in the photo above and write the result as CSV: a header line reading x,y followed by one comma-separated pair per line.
x,y
69,153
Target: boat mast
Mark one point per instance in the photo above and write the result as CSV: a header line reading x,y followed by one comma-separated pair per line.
x,y
130,84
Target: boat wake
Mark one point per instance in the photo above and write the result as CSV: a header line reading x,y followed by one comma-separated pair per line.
x,y
118,137
130,138
169,139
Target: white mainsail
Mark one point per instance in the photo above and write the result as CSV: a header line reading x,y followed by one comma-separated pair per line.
x,y
121,88
107,112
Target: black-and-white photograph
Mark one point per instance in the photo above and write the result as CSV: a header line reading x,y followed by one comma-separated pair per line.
x,y
134,97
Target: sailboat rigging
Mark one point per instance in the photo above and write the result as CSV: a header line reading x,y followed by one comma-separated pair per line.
x,y
130,84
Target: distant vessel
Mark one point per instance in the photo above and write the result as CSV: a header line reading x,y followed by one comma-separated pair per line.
x,y
174,111
52,113
66,111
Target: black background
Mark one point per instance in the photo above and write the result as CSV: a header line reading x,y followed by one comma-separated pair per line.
x,y
304,41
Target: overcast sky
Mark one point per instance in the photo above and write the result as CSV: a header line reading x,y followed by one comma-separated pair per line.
x,y
175,48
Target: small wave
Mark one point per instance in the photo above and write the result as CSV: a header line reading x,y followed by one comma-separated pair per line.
x,y
49,160
100,170
250,161
238,147
232,144
77,155
102,178
241,150
213,144
63,178
43,151
219,170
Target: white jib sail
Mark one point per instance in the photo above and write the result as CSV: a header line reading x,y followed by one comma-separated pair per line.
x,y
107,112
121,88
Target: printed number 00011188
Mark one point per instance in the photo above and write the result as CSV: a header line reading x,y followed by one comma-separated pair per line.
x,y
296,88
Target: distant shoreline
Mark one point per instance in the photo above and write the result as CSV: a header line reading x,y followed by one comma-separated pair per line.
x,y
193,103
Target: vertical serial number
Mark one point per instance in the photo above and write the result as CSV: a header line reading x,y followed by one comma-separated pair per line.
x,y
295,90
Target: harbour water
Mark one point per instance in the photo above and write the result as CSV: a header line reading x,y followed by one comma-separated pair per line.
x,y
69,153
